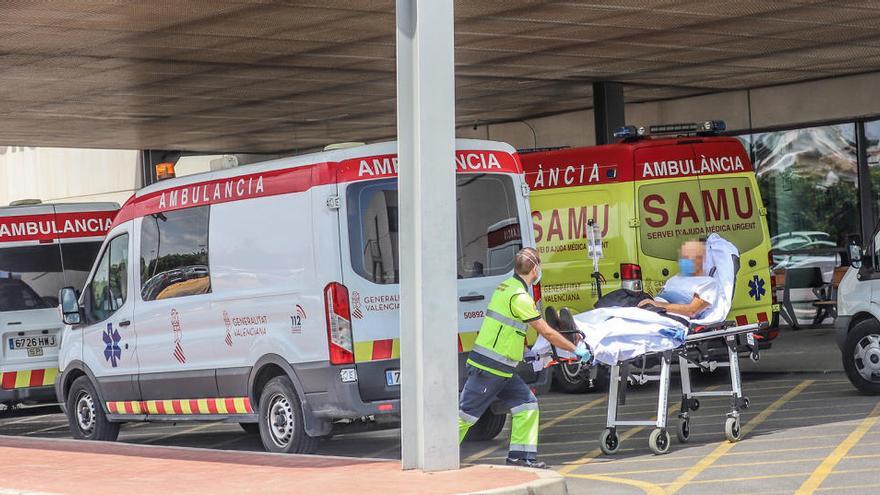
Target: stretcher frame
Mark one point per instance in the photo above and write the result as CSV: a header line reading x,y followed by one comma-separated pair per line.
x,y
659,439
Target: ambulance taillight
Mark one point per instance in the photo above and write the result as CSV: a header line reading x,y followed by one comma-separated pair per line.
x,y
631,277
339,336
773,297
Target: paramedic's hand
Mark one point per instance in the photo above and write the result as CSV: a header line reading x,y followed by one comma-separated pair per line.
x,y
530,356
583,352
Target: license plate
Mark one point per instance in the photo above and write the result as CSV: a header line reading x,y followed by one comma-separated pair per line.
x,y
392,377
34,345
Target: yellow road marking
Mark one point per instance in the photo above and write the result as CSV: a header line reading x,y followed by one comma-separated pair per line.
x,y
851,487
735,464
820,473
574,412
689,475
587,458
648,488
768,477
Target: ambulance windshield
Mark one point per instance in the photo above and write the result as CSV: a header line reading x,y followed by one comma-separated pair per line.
x,y
31,276
488,227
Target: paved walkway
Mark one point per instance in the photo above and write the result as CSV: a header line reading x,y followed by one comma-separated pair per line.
x,y
67,466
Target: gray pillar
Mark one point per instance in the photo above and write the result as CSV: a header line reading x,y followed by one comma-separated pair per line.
x,y
428,285
608,110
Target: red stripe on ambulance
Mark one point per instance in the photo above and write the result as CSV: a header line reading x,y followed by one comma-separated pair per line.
x,y
49,227
298,179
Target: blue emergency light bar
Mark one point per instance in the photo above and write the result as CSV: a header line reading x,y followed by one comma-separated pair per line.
x,y
707,128
629,132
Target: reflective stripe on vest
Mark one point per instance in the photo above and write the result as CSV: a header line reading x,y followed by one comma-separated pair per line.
x,y
507,321
494,356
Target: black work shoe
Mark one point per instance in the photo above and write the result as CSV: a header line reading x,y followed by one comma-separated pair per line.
x,y
529,463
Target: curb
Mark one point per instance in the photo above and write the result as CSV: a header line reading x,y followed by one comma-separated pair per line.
x,y
549,482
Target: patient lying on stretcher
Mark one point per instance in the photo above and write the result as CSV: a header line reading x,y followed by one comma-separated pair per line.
x,y
691,293
700,293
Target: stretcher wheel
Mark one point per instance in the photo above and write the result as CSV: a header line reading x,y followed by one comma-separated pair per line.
x,y
684,431
695,404
659,441
732,430
609,442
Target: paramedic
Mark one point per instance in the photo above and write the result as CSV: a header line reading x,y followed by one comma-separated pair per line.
x,y
499,347
690,293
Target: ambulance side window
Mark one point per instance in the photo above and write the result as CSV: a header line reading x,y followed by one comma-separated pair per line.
x,y
109,288
174,254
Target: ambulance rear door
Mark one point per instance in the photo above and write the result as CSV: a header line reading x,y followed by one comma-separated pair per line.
x,y
669,207
734,210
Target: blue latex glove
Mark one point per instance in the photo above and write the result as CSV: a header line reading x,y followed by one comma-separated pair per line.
x,y
583,352
530,356
675,334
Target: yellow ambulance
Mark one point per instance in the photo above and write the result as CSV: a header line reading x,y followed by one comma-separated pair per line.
x,y
646,194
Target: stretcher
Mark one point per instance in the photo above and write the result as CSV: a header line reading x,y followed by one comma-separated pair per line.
x,y
690,355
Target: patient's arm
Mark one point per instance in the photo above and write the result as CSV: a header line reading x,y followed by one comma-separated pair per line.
x,y
690,310
551,335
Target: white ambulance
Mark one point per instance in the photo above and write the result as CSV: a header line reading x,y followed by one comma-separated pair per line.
x,y
268,294
43,247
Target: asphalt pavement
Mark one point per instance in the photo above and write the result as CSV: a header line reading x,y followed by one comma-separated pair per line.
x,y
806,431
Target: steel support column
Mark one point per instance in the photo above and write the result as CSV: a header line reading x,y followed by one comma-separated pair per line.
x,y
608,110
426,179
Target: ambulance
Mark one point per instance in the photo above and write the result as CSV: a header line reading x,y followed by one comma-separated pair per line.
x,y
43,247
647,194
268,295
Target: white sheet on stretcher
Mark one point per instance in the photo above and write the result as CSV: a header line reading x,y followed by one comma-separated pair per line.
x,y
620,334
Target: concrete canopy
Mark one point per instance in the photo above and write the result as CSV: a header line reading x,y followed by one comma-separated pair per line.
x,y
257,76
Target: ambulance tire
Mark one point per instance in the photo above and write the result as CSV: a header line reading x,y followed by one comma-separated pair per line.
x,y
861,356
250,428
568,379
285,433
486,428
86,416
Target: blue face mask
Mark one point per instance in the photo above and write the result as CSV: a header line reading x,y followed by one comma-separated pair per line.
x,y
686,267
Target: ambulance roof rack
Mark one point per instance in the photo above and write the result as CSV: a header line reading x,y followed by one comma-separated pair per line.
x,y
25,202
707,128
522,151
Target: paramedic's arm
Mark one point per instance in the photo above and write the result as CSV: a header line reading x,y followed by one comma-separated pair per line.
x,y
551,335
523,307
695,307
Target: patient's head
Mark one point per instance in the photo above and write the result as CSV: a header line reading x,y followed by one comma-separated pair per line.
x,y
690,258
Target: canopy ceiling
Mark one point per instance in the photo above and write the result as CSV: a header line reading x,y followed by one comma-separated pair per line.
x,y
258,76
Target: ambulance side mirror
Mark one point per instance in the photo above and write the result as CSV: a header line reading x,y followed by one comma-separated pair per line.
x,y
855,256
70,311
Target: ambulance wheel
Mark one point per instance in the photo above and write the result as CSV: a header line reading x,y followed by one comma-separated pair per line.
x,y
609,442
861,356
487,427
281,425
85,414
251,428
574,378
659,442
732,430
684,430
